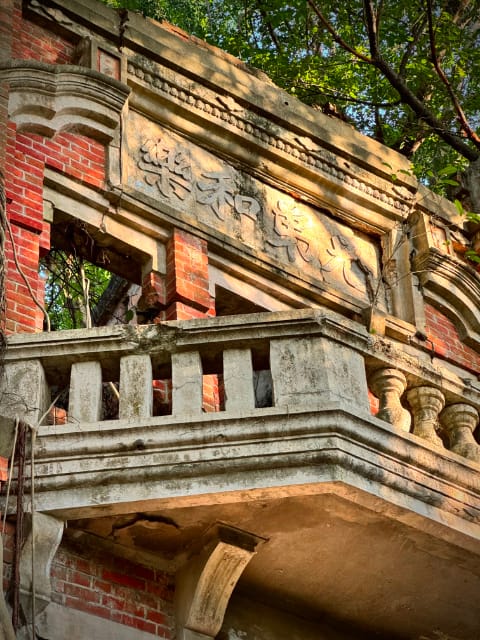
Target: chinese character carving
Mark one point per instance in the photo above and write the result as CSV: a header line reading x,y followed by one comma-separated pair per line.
x,y
343,256
168,166
247,206
218,192
289,227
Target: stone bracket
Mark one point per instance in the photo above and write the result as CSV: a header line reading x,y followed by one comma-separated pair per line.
x,y
36,557
207,580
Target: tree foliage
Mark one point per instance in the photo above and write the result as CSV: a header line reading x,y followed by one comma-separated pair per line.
x,y
73,288
406,73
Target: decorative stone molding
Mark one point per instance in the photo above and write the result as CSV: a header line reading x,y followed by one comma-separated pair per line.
x,y
388,385
448,283
48,98
36,558
426,403
460,421
454,287
227,110
365,198
206,582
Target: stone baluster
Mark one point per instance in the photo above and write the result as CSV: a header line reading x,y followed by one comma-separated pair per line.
x,y
238,380
187,383
388,385
136,388
459,421
426,404
85,397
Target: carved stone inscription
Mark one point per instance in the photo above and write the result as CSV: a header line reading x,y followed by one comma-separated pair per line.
x,y
277,227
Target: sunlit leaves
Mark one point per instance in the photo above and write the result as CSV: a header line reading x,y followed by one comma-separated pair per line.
x,y
289,43
73,287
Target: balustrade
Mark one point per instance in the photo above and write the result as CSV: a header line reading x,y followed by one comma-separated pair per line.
x,y
426,403
460,421
305,369
388,385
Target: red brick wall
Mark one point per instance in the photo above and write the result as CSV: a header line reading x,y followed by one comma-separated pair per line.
x,y
446,343
108,587
27,155
33,42
115,589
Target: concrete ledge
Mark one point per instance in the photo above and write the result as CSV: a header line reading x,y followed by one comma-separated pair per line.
x,y
58,623
125,467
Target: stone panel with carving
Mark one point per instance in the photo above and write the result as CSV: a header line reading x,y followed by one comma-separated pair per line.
x,y
274,226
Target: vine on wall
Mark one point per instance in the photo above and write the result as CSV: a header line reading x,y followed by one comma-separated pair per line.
x,y
3,228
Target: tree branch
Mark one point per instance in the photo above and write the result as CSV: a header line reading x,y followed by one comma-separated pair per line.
x,y
417,31
317,90
336,36
372,26
396,81
409,98
270,28
470,134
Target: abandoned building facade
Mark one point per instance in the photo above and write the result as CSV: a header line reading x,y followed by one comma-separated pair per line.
x,y
291,347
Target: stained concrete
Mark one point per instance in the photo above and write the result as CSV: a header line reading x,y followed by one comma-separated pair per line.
x,y
327,559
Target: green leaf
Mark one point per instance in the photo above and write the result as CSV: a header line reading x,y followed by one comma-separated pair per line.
x,y
448,170
459,207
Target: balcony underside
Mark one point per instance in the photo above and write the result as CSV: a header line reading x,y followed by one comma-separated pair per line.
x,y
327,557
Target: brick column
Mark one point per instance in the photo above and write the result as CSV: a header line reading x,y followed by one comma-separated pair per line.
x,y
6,30
181,294
24,187
187,293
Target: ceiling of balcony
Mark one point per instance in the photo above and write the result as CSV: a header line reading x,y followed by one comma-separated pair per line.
x,y
326,557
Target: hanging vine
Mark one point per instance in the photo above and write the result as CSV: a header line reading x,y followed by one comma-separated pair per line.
x,y
3,228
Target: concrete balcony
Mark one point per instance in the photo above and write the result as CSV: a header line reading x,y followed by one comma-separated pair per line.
x,y
294,436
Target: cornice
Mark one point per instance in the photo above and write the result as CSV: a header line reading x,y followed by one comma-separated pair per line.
x,y
292,158
214,99
453,287
45,99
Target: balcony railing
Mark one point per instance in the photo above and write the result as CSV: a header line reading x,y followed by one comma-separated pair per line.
x,y
278,380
